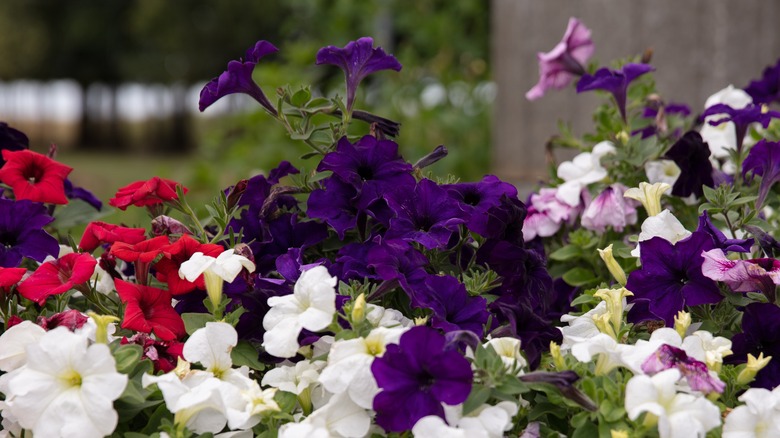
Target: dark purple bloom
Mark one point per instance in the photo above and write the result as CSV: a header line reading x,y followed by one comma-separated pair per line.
x,y
73,192
564,382
720,239
475,199
692,154
371,166
352,262
427,215
357,59
416,376
767,89
763,160
671,277
760,334
503,222
11,140
522,322
614,81
696,373
22,234
437,154
523,271
742,118
334,204
398,260
678,109
453,307
238,79
767,243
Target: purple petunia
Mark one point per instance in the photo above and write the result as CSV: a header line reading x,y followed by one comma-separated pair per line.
x,y
760,334
22,234
11,140
671,277
238,79
763,160
416,376
692,154
73,192
720,239
477,198
741,117
614,81
767,89
357,59
453,307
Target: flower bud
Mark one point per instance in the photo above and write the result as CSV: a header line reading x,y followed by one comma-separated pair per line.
x,y
614,268
681,322
557,357
614,315
359,309
754,365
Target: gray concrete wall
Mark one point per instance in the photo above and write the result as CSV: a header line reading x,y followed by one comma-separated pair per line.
x,y
700,46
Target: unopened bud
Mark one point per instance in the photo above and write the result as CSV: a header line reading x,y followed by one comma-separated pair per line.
x,y
681,322
754,365
649,195
557,357
614,267
359,309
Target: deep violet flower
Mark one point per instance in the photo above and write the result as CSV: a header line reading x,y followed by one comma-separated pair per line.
x,y
238,79
398,260
767,89
357,59
416,376
520,321
11,140
559,66
477,198
22,234
720,239
760,334
615,82
763,160
692,154
425,215
453,307
752,275
334,204
34,176
741,117
695,372
58,276
73,192
671,277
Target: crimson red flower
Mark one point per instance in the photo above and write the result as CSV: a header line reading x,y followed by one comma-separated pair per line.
x,y
163,354
58,276
178,253
10,277
148,309
145,251
98,233
35,176
142,193
72,319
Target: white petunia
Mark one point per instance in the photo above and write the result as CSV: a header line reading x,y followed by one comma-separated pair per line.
x,y
196,400
67,387
484,422
311,306
379,316
704,347
215,271
295,379
14,342
759,417
723,137
211,346
662,171
581,327
680,415
664,225
584,169
340,417
609,352
508,349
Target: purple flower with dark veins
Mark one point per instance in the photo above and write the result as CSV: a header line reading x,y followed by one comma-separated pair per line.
x,y
763,160
453,307
767,89
614,81
427,215
692,154
720,239
238,79
416,376
357,59
696,373
559,66
742,118
22,234
671,277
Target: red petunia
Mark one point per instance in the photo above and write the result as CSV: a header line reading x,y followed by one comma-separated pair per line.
x,y
35,176
10,277
178,253
144,252
142,193
58,276
72,319
148,309
98,233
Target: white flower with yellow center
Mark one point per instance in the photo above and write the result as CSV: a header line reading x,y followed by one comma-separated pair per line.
x,y
508,349
215,271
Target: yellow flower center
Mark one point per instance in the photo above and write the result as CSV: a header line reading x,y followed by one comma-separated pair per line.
x,y
71,378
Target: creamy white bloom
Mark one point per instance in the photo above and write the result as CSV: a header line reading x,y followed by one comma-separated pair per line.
x,y
664,225
584,169
211,347
196,400
484,422
582,327
311,306
379,316
340,417
14,342
349,365
226,266
704,347
723,137
295,379
662,171
609,352
679,415
759,417
508,350
67,387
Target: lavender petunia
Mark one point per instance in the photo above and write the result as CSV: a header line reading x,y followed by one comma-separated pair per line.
x,y
615,82
416,376
692,154
753,275
238,79
720,239
357,59
760,334
426,215
741,117
763,160
610,209
453,307
767,89
22,234
558,67
694,371
671,276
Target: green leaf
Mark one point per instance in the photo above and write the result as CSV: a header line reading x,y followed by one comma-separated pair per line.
x,y
584,299
301,97
588,430
285,400
155,420
127,357
194,321
78,212
317,104
579,277
478,396
245,354
568,252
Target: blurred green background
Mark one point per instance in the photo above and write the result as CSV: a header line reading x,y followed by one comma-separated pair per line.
x,y
106,51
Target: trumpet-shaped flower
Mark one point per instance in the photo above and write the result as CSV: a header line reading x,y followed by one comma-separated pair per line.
x,y
311,307
763,160
339,417
649,195
615,82
767,89
211,346
559,66
14,342
546,214
584,169
195,400
759,417
143,193
695,372
67,387
692,154
296,379
58,276
149,310
609,209
35,176
720,239
662,171
679,414
508,349
664,225
742,118
22,234
484,422
225,267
